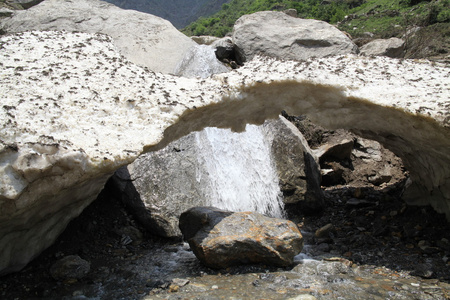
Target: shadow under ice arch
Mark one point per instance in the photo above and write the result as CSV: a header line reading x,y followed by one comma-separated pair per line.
x,y
421,142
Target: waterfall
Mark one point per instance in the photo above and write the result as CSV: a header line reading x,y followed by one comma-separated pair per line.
x,y
236,171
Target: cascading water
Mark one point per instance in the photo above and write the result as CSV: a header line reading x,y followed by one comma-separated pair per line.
x,y
236,171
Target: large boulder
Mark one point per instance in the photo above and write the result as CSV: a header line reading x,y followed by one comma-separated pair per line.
x,y
74,111
393,47
221,239
142,38
276,34
159,185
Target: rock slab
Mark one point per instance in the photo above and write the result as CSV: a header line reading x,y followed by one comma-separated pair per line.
x,y
221,239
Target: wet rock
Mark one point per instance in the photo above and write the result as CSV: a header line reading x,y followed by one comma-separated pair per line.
x,y
224,50
220,239
70,267
147,186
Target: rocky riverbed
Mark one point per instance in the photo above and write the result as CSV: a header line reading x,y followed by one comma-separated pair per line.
x,y
375,247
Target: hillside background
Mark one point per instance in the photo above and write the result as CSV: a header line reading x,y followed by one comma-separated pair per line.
x,y
179,12
424,24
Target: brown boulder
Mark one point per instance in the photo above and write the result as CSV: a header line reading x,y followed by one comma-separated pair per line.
x,y
221,239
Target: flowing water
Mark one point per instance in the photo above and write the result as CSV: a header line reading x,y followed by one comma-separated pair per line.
x,y
237,172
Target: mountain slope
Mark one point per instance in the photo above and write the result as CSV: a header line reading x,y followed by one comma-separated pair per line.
x,y
179,12
365,19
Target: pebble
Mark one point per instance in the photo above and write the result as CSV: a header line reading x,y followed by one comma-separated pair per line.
x,y
180,281
324,231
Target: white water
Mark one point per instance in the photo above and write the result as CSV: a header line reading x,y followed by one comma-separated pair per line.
x,y
236,171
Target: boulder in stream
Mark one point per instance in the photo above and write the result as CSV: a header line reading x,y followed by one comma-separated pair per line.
x,y
221,239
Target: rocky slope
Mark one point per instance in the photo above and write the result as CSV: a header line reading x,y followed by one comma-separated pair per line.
x,y
60,143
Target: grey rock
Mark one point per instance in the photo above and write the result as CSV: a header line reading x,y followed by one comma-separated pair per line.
x,y
221,239
393,47
275,34
297,167
158,186
70,267
142,38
